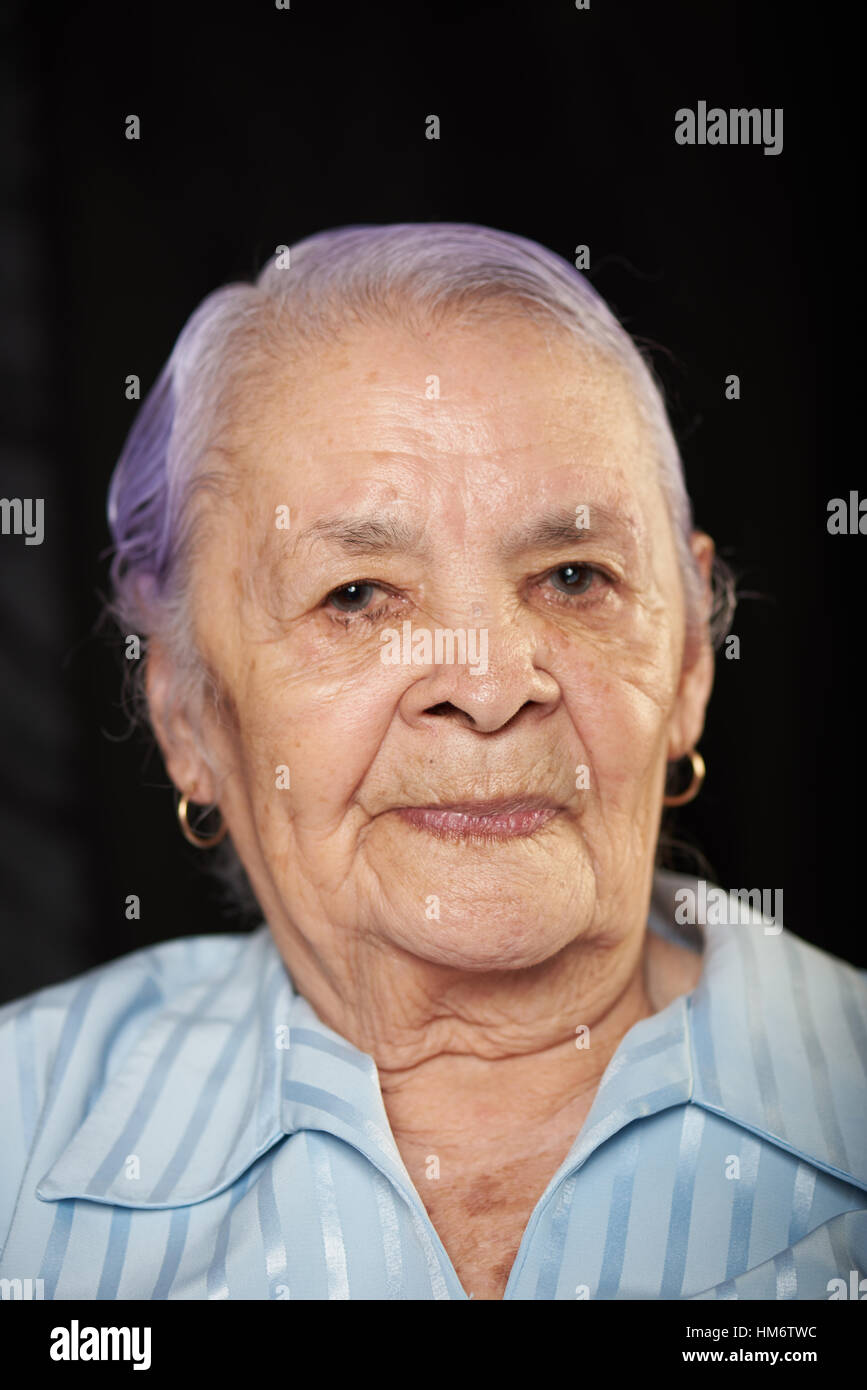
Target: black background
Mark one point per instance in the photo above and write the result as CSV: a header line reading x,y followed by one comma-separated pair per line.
x,y
260,126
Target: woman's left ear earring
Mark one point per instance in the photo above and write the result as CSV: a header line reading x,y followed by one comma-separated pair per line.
x,y
698,775
200,841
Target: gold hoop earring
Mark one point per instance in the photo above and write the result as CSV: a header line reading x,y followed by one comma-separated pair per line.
x,y
692,791
200,841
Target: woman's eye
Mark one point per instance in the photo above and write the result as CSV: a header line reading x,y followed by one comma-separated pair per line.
x,y
358,596
352,598
573,579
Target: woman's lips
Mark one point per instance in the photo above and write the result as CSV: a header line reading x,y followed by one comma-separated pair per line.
x,y
485,819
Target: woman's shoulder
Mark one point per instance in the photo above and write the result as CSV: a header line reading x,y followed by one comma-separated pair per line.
x,y
61,1046
99,1013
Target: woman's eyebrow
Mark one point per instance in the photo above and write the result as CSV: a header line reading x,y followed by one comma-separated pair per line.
x,y
382,534
587,522
368,535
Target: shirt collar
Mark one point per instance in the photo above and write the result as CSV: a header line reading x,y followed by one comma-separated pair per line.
x,y
218,1076
233,1064
776,1030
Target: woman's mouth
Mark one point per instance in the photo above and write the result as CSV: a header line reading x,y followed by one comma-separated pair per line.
x,y
492,820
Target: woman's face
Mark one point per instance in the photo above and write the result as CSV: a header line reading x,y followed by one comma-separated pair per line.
x,y
481,481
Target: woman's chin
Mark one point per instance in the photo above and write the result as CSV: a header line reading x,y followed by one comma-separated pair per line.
x,y
501,927
478,906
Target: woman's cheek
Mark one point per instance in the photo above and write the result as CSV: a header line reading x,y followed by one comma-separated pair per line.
x,y
314,737
620,721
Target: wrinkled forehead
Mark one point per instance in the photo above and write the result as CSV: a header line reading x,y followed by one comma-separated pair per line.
x,y
468,428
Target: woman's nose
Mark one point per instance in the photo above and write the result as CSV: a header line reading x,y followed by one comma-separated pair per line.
x,y
485,700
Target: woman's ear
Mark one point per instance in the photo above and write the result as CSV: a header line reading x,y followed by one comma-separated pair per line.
x,y
175,730
696,679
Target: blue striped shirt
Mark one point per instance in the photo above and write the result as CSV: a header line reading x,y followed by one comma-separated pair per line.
x,y
180,1124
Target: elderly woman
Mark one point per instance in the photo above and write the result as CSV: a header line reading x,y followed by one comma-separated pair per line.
x,y
429,630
